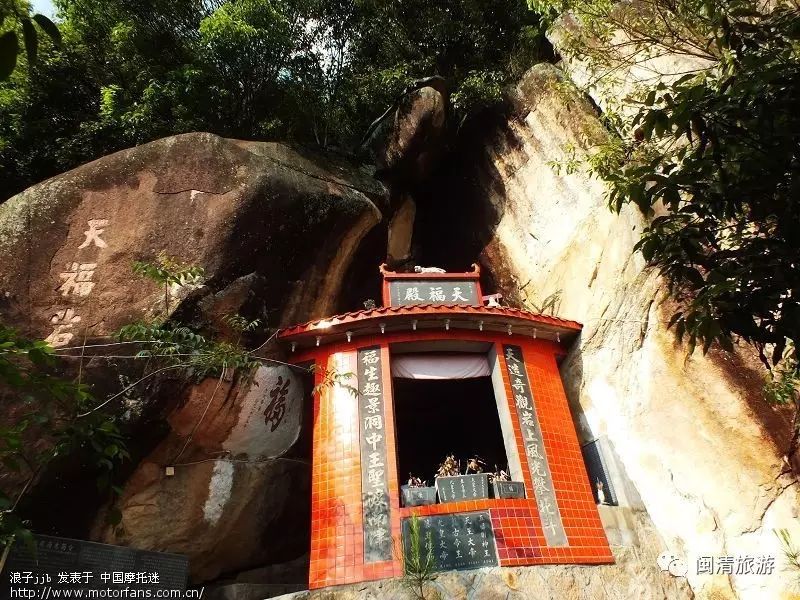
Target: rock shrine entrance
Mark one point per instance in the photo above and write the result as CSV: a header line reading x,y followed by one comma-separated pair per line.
x,y
357,512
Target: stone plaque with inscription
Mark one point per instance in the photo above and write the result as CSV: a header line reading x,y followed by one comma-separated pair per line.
x,y
418,496
89,565
542,479
509,489
463,487
457,541
409,292
377,521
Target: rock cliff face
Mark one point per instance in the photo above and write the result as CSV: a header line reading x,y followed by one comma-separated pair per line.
x,y
275,232
234,208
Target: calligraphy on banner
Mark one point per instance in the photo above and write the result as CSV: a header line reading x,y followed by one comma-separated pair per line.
x,y
377,521
538,466
78,281
457,541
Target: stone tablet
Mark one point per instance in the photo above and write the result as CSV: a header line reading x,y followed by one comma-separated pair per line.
x,y
433,291
418,496
377,521
463,487
509,489
89,565
538,466
457,541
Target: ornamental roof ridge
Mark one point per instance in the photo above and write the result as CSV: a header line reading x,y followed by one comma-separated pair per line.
x,y
425,309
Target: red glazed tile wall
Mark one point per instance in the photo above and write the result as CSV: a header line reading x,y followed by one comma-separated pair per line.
x,y
336,535
337,539
520,539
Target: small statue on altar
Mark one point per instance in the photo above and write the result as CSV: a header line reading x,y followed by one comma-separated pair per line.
x,y
475,465
415,481
449,467
499,475
601,494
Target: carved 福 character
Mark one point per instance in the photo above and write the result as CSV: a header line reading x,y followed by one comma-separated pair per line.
x,y
78,279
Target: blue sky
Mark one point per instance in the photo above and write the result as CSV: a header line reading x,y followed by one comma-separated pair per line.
x,y
44,7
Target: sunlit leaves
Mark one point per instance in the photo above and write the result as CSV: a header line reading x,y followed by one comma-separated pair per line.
x,y
717,154
10,44
478,90
181,346
168,269
45,426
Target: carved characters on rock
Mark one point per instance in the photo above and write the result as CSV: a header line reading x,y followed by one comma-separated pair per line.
x,y
270,415
276,409
78,283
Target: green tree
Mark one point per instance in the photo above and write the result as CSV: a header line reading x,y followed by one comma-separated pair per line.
x,y
477,46
311,72
44,421
715,154
418,562
16,23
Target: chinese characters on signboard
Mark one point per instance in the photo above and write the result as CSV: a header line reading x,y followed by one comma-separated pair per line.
x,y
457,541
543,491
405,293
463,487
374,471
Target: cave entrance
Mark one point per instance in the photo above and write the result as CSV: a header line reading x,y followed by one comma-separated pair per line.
x,y
445,404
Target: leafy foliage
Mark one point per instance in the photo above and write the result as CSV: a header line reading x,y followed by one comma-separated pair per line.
x,y
783,383
309,71
418,562
478,90
332,377
713,155
791,554
15,14
168,271
46,422
548,306
181,347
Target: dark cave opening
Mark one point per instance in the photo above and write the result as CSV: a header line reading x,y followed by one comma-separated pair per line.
x,y
362,280
455,219
459,417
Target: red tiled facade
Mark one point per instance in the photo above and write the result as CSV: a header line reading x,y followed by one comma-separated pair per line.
x,y
337,554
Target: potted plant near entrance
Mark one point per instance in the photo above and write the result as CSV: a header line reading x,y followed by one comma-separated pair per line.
x,y
451,486
417,493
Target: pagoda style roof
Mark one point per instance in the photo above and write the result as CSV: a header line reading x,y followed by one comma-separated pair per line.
x,y
445,317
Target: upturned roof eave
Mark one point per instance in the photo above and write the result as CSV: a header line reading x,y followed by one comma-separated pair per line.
x,y
427,317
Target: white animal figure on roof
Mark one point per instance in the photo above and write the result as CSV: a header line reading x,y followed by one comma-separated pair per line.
x,y
418,269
